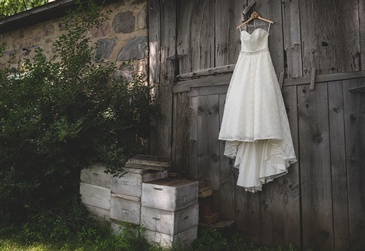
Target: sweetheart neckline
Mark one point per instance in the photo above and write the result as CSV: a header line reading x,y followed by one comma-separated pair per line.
x,y
250,34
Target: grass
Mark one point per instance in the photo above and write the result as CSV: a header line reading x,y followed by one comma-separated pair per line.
x,y
130,239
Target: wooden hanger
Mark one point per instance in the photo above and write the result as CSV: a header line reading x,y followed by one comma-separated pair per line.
x,y
253,16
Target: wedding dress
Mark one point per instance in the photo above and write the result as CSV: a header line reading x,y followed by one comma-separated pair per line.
x,y
255,124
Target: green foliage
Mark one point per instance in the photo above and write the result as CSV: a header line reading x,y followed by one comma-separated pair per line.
x,y
58,115
11,7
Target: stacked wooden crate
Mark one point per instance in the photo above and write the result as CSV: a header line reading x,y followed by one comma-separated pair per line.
x,y
170,211
126,193
167,207
95,190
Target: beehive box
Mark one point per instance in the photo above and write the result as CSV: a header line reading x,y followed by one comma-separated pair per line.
x,y
96,199
182,239
170,222
148,162
125,208
131,181
169,194
95,175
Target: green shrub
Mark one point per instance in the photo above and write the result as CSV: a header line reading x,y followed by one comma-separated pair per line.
x,y
58,115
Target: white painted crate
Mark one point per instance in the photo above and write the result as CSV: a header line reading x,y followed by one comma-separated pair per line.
x,y
125,208
169,194
95,175
170,222
131,181
182,239
95,195
99,212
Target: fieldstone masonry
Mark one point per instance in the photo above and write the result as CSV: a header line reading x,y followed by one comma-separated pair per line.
x,y
120,39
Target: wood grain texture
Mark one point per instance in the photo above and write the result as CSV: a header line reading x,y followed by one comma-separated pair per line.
x,y
237,6
193,138
354,113
227,182
333,45
362,38
292,39
247,212
315,171
161,140
280,200
208,144
202,40
221,32
338,165
180,133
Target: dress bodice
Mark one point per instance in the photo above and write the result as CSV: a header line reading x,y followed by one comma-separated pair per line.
x,y
255,41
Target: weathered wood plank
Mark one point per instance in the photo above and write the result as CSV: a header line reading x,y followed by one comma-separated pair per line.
x,y
361,28
247,212
163,89
221,32
181,134
280,200
237,6
154,63
333,45
227,183
201,82
271,9
292,39
206,72
183,26
354,112
208,145
315,172
211,90
193,138
338,166
202,39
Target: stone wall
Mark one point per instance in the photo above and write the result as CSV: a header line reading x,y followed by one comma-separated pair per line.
x,y
120,39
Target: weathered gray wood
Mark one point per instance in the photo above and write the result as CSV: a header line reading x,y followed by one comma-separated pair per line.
x,y
154,62
226,198
221,32
183,40
193,138
280,200
333,45
338,166
206,72
131,181
126,209
170,194
237,6
315,172
361,28
211,90
247,212
354,113
292,39
208,144
324,78
202,39
170,222
95,196
180,133
95,175
166,77
205,81
271,9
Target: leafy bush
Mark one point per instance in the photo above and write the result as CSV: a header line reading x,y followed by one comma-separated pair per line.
x,y
58,115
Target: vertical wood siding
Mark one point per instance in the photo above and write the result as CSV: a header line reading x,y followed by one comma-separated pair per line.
x,y
320,203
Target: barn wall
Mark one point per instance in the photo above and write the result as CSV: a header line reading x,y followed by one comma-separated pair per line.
x,y
320,204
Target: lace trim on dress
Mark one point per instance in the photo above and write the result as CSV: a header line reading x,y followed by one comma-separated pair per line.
x,y
249,53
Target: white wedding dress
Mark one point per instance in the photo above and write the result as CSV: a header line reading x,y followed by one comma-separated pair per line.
x,y
255,124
